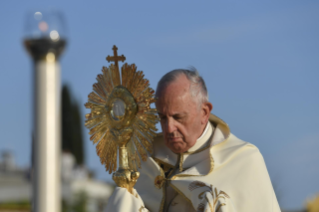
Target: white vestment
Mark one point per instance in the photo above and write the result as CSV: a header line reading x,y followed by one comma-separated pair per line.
x,y
219,173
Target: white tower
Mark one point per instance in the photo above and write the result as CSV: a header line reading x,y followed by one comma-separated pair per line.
x,y
45,42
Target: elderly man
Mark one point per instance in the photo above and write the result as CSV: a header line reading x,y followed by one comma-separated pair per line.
x,y
197,164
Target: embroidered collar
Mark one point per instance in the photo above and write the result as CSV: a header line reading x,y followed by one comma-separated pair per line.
x,y
203,140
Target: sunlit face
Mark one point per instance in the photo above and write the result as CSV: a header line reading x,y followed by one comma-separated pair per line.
x,y
182,120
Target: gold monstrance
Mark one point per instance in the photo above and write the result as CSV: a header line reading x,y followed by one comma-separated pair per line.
x,y
121,117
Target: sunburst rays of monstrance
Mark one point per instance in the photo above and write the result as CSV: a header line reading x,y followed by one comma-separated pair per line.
x,y
121,118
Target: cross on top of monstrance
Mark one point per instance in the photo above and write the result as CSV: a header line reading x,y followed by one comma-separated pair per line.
x,y
121,118
115,58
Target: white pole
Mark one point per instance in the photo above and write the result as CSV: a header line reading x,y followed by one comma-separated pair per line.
x,y
47,116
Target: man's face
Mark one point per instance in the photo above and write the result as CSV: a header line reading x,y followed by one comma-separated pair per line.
x,y
182,120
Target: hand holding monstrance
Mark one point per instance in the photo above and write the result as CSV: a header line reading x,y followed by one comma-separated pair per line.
x,y
121,117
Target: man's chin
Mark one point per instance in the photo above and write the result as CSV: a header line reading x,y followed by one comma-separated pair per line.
x,y
177,149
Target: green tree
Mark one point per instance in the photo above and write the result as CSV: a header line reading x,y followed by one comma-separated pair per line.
x,y
79,203
72,134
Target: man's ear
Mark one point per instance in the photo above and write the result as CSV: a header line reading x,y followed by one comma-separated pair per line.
x,y
206,109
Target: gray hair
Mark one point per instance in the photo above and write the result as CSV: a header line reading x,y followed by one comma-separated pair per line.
x,y
197,84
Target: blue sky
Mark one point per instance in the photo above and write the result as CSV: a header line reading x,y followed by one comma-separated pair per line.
x,y
259,60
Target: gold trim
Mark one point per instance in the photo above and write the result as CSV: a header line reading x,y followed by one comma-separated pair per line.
x,y
201,207
201,194
162,162
219,122
164,197
201,149
159,181
191,175
181,161
141,209
210,206
170,173
180,193
163,189
222,204
173,171
208,145
196,184
213,191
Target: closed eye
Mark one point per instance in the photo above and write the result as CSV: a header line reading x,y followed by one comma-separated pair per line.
x,y
161,116
178,117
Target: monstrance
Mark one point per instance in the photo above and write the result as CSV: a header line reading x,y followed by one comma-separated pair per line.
x,y
121,118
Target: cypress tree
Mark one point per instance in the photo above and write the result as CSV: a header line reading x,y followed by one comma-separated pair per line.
x,y
72,139
77,134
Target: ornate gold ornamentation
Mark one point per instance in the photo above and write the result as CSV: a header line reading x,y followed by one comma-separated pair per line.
x,y
196,184
211,190
121,117
159,181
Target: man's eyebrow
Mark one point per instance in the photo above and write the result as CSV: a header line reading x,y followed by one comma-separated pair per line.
x,y
179,114
176,114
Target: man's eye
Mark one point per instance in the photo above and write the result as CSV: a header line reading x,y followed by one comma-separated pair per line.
x,y
177,117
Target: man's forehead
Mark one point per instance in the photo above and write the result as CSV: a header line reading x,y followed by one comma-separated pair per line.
x,y
174,104
173,107
177,87
173,95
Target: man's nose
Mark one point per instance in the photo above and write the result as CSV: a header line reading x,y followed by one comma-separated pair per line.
x,y
170,125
